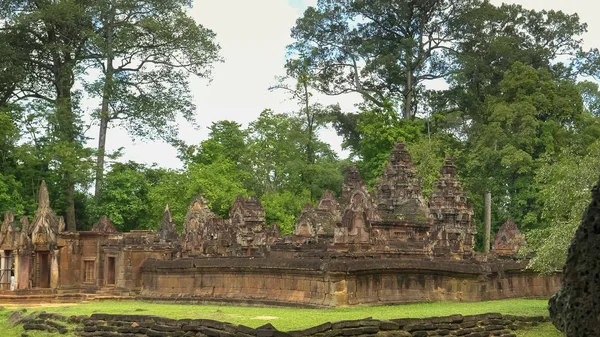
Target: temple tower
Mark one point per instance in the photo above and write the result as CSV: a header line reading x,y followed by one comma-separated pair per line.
x,y
399,191
453,228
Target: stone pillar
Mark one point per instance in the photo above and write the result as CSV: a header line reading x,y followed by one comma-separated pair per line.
x,y
16,257
54,282
488,222
23,269
4,277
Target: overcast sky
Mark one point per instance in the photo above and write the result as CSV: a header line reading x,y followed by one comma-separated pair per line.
x,y
253,36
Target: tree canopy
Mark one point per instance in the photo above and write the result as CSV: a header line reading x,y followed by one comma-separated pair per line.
x,y
519,112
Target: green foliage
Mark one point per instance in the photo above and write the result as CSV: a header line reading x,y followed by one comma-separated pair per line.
x,y
268,159
219,183
397,50
226,139
564,185
283,208
428,155
147,51
380,129
125,197
10,199
486,50
514,119
590,94
528,119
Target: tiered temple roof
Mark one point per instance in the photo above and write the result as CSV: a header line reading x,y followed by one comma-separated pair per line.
x,y
508,240
104,225
451,215
399,191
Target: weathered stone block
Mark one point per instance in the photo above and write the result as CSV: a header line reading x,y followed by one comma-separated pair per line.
x,y
329,333
468,324
389,325
194,328
365,330
420,334
398,333
312,331
245,329
405,321
354,324
154,333
89,328
493,327
423,326
210,332
166,328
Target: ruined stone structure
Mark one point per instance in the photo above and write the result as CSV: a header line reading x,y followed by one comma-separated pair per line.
x,y
389,246
453,229
508,240
397,220
575,309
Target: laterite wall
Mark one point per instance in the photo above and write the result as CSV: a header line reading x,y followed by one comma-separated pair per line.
x,y
314,282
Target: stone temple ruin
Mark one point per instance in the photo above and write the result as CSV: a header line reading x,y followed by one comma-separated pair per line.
x,y
390,246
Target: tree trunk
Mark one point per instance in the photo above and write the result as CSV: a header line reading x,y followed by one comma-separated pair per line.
x,y
104,119
310,158
408,97
104,113
70,211
67,130
67,134
101,152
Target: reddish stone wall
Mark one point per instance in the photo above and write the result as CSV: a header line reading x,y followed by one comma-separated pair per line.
x,y
312,282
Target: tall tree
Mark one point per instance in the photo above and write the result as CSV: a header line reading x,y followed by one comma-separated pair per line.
x,y
383,49
300,89
530,118
146,51
490,39
51,38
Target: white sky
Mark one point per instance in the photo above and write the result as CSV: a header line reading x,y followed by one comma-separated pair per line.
x,y
253,36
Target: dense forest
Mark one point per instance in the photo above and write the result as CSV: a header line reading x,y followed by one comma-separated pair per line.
x,y
520,113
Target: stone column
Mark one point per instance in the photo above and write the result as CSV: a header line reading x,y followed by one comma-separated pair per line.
x,y
488,222
23,269
3,271
54,281
16,257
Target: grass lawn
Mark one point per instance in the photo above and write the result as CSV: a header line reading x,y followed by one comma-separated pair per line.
x,y
286,319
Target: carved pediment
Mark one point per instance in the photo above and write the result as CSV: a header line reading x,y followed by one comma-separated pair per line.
x,y
45,224
104,225
8,230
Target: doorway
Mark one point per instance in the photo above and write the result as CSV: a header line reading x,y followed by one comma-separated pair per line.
x,y
6,269
111,271
44,270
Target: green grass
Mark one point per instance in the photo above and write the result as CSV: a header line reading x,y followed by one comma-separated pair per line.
x,y
543,330
286,319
